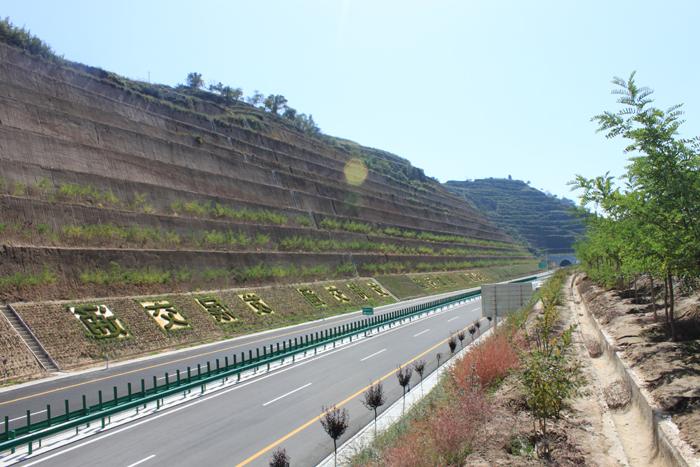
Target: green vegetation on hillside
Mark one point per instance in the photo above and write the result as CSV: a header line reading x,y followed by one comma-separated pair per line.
x,y
545,222
362,227
650,227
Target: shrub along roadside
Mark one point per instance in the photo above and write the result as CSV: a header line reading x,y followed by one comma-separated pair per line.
x,y
441,429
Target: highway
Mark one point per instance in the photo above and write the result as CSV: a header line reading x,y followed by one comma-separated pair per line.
x,y
242,424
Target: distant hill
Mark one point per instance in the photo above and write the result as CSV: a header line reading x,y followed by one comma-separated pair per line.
x,y
541,220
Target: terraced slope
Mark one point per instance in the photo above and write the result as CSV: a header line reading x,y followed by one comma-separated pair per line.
x,y
114,186
543,221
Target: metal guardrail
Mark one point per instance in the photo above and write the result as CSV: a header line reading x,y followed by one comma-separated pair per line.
x,y
69,419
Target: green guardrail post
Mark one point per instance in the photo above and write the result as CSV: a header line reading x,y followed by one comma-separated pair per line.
x,y
66,407
295,343
143,387
116,399
235,362
250,354
128,389
11,435
208,367
155,384
177,376
278,347
218,366
264,351
48,414
226,365
7,427
85,410
167,381
29,420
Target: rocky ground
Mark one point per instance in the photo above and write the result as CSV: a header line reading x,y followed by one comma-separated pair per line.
x,y
669,371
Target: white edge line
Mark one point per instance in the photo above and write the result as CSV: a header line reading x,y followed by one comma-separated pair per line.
x,y
374,354
287,394
24,416
142,460
422,332
452,319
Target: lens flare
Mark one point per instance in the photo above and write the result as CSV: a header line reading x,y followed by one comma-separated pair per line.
x,y
355,172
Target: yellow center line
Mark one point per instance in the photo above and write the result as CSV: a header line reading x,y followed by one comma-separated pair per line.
x,y
305,425
169,362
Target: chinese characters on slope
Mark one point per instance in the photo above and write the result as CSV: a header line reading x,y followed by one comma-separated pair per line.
x,y
101,323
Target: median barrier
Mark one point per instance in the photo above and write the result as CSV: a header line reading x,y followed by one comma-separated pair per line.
x,y
72,418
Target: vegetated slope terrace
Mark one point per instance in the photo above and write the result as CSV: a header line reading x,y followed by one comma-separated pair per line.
x,y
543,221
110,185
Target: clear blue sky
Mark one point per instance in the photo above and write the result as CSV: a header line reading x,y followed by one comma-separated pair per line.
x,y
463,89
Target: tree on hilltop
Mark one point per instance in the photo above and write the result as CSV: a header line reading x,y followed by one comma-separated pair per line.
x,y
194,80
274,103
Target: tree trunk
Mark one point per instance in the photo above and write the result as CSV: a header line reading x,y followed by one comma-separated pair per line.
x,y
653,296
671,307
666,303
335,452
375,423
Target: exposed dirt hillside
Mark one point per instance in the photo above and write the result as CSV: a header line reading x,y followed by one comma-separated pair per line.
x,y
109,185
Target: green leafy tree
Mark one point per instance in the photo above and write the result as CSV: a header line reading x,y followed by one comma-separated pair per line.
x,y
216,87
274,103
651,227
194,80
256,99
230,94
290,113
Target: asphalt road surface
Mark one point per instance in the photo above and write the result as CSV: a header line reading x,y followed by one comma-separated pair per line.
x,y
241,425
246,424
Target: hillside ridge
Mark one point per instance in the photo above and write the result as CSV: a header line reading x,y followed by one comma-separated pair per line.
x,y
544,222
110,185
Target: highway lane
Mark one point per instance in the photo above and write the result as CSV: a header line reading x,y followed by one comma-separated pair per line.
x,y
15,402
243,422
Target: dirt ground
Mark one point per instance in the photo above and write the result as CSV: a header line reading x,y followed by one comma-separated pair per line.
x,y
669,371
600,427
